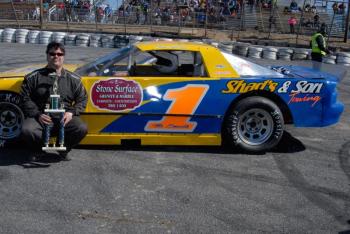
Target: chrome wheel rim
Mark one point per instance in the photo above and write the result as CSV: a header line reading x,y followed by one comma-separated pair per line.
x,y
11,119
255,126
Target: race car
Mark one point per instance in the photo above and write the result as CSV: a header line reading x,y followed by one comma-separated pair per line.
x,y
186,93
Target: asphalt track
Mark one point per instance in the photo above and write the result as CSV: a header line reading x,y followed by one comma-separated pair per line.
x,y
301,187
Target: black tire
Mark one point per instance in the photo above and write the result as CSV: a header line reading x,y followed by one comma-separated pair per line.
x,y
254,124
11,117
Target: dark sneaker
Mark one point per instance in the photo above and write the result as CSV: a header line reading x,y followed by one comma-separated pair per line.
x,y
64,156
34,160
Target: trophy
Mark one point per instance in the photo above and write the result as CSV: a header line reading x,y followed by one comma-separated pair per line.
x,y
55,106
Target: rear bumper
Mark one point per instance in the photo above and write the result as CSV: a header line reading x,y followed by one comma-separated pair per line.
x,y
332,114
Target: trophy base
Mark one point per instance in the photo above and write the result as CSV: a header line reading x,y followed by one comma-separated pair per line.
x,y
54,110
56,148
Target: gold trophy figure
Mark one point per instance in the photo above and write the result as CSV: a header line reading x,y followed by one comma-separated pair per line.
x,y
54,107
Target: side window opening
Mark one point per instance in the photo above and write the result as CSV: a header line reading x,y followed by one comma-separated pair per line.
x,y
168,63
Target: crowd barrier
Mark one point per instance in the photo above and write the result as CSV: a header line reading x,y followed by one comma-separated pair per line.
x,y
10,35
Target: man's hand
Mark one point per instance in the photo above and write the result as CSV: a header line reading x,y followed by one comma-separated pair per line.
x,y
45,119
67,117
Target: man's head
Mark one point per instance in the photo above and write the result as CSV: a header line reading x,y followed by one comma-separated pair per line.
x,y
55,55
323,29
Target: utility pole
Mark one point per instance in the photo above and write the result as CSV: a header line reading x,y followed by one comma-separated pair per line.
x,y
41,14
347,23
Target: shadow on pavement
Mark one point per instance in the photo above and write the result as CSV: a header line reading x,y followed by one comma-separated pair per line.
x,y
21,157
288,144
15,156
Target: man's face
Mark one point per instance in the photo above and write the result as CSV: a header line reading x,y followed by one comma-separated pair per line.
x,y
55,58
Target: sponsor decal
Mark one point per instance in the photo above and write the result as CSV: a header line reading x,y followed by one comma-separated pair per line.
x,y
185,101
2,143
294,98
284,88
307,87
10,97
116,94
301,87
240,86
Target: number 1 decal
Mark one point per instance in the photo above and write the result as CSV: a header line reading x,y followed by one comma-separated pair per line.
x,y
185,101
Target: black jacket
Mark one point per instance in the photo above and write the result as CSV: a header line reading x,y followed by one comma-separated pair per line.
x,y
37,87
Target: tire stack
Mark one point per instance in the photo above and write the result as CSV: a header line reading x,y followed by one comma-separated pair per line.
x,y
226,47
120,41
95,40
33,37
270,53
300,54
241,49
285,54
70,39
58,37
45,37
135,39
21,35
255,52
107,41
215,44
343,58
8,35
330,59
82,40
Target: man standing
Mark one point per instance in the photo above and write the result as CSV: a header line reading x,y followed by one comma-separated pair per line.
x,y
318,44
35,91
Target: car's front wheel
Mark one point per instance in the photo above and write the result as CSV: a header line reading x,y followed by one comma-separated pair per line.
x,y
11,116
254,124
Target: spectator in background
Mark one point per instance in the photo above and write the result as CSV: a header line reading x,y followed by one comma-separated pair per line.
x,y
341,8
307,8
292,21
313,9
108,13
316,20
68,10
137,21
36,13
335,8
145,12
293,6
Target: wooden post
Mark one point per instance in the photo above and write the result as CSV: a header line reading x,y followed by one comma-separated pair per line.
x,y
347,23
14,11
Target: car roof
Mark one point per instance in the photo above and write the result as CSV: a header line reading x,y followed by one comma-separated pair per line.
x,y
172,45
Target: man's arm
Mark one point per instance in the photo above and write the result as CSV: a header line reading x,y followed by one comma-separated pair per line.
x,y
29,107
321,44
80,100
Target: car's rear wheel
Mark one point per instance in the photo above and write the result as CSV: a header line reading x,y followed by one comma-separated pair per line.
x,y
255,124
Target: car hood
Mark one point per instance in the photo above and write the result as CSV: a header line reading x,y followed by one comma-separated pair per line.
x,y
21,72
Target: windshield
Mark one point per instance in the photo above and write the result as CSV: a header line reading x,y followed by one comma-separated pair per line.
x,y
98,66
246,68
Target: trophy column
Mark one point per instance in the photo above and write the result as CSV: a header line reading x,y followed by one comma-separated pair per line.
x,y
51,108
